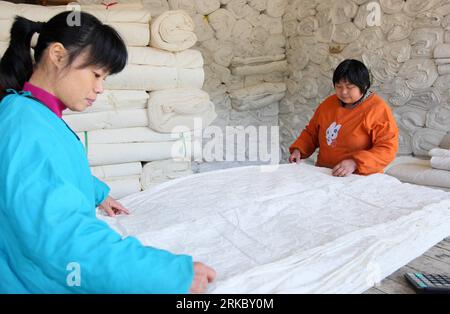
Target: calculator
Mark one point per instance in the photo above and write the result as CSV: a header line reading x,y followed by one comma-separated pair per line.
x,y
429,283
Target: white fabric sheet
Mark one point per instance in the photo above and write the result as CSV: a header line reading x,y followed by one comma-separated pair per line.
x,y
291,229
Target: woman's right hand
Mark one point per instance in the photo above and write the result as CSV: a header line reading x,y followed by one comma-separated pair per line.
x,y
202,276
295,156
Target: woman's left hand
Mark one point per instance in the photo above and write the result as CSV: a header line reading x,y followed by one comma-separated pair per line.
x,y
344,168
112,207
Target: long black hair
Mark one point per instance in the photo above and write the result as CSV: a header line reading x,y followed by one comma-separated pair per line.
x,y
104,46
355,72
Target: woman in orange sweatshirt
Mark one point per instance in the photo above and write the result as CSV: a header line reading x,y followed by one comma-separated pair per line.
x,y
354,129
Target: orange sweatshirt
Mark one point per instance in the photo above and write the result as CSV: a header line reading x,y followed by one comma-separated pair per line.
x,y
367,133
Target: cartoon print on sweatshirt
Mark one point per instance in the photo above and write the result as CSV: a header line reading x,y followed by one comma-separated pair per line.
x,y
332,133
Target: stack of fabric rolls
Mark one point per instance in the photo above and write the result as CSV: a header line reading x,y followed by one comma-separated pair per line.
x,y
434,172
137,133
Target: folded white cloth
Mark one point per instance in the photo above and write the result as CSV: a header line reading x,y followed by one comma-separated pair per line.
x,y
173,31
439,152
442,163
277,66
222,21
3,47
133,34
445,143
119,170
442,51
156,7
107,154
119,12
132,22
107,120
172,108
255,60
421,174
157,172
123,186
127,135
187,59
258,96
116,100
152,78
206,7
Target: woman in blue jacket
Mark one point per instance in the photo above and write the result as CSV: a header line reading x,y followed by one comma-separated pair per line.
x,y
50,238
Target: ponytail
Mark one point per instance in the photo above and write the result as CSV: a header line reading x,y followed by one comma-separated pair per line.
x,y
105,48
16,65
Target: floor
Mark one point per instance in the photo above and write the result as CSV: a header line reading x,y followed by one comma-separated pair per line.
x,y
435,260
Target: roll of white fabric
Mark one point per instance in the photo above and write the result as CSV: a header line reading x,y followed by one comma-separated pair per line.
x,y
133,34
187,59
222,21
8,10
442,51
123,186
206,7
173,31
236,61
445,143
258,96
425,139
153,78
442,163
122,13
3,47
420,174
5,28
119,170
172,108
131,21
156,7
107,120
107,154
127,135
278,66
185,5
116,100
439,152
157,172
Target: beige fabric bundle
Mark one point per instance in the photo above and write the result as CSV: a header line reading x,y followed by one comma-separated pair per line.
x,y
173,31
